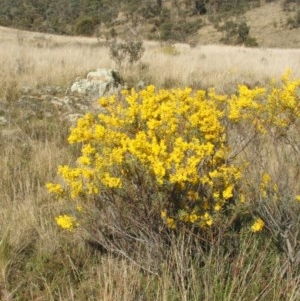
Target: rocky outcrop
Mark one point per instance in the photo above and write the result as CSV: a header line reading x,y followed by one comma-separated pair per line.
x,y
97,84
59,103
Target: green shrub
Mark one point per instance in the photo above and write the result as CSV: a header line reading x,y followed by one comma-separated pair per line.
x,y
237,33
243,32
231,30
85,26
200,7
128,50
166,31
251,42
179,31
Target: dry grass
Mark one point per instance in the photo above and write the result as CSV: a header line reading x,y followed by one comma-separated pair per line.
x,y
222,67
39,262
35,60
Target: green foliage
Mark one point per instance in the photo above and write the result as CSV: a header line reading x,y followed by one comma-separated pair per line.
x,y
165,15
166,31
250,42
113,33
129,50
201,7
85,26
179,31
237,33
233,6
231,30
243,32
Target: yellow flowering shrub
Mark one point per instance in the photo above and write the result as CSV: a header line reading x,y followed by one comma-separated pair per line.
x,y
267,121
172,140
167,153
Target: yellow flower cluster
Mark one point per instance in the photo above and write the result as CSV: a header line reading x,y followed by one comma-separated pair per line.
x,y
66,222
273,110
258,225
55,189
267,187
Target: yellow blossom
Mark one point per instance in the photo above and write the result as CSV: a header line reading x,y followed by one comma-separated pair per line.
x,y
103,102
84,160
111,182
266,178
218,207
163,213
171,223
242,198
192,195
193,218
66,222
258,225
207,219
228,192
79,208
55,188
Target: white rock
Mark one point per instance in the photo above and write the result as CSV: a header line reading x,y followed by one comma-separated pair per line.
x,y
97,83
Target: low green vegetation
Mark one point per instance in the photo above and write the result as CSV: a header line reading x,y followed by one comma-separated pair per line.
x,y
237,34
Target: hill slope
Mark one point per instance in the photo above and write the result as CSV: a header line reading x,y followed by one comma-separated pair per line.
x,y
264,23
269,24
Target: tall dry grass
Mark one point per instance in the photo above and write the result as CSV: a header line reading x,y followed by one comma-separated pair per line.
x,y
222,67
40,262
34,60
